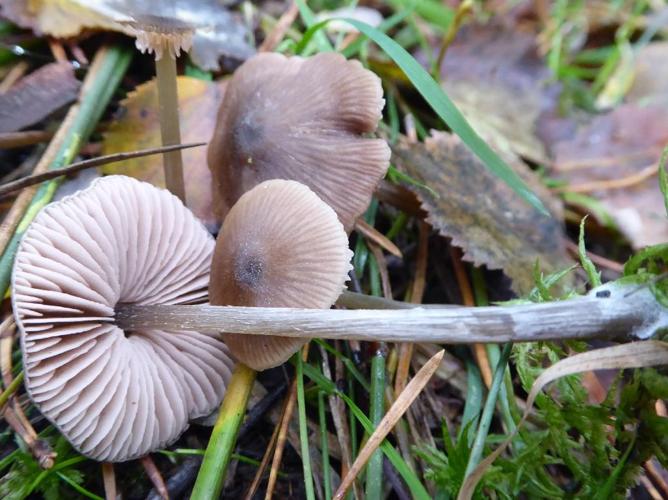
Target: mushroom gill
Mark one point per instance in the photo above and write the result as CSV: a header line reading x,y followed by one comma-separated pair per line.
x,y
115,395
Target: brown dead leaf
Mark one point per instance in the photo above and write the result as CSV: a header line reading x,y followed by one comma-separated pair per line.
x,y
650,86
496,78
618,145
139,128
37,95
217,32
481,214
614,156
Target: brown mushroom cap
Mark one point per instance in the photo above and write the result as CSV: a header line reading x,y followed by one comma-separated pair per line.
x,y
300,119
115,395
280,246
159,34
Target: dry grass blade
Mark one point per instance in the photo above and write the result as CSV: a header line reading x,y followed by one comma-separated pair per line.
x,y
10,408
417,292
10,140
279,30
93,162
15,74
396,411
263,464
632,355
373,235
290,400
479,352
155,476
382,270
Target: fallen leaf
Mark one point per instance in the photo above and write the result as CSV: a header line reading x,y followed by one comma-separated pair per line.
x,y
605,149
650,84
217,32
481,214
496,78
37,95
59,18
138,127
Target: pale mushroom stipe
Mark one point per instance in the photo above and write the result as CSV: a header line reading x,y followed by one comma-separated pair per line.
x,y
280,246
303,119
114,394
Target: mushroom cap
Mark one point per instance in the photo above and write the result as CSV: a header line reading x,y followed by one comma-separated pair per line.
x,y
160,34
300,119
115,395
280,246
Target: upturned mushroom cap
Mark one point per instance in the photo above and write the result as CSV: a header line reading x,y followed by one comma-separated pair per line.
x,y
115,395
300,119
280,246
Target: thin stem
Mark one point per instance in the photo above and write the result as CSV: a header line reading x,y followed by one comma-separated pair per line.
x,y
24,182
610,311
303,429
473,401
374,469
488,410
224,435
324,445
13,387
170,130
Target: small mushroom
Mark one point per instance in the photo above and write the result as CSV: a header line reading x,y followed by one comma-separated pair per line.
x,y
305,120
116,394
166,37
280,246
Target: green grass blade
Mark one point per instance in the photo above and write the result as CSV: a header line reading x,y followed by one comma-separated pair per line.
x,y
308,17
443,107
324,444
374,469
488,410
83,491
447,111
303,430
223,438
589,267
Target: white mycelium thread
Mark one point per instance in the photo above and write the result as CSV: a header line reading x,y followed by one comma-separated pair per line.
x,y
116,395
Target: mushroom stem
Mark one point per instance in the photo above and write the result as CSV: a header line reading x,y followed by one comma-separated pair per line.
x,y
609,311
353,300
165,69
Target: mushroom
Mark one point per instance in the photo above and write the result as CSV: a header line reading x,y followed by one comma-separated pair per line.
x,y
280,246
166,37
300,119
116,394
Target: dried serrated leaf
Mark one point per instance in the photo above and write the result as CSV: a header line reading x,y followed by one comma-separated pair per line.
x,y
138,127
481,213
37,95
